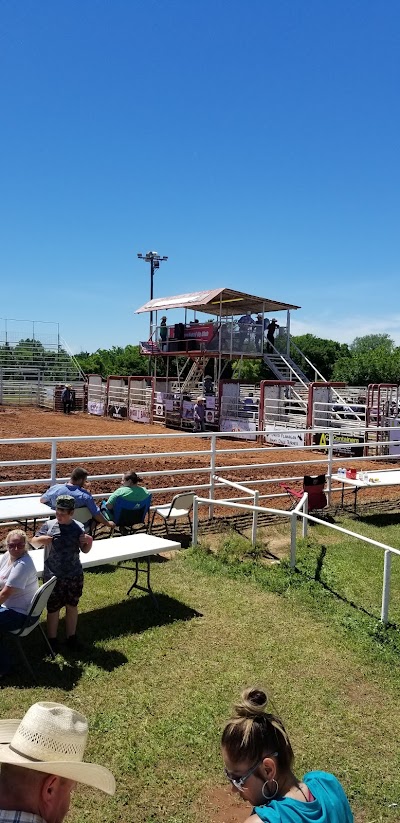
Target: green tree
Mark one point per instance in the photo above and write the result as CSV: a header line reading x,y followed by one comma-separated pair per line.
x,y
371,359
370,342
322,353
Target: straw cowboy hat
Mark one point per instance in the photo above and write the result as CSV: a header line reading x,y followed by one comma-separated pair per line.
x,y
51,738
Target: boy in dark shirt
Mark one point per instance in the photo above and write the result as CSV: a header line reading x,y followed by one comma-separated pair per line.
x,y
63,538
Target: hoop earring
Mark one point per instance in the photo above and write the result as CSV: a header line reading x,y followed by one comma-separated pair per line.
x,y
269,797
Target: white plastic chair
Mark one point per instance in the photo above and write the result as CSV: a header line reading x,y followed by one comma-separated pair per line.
x,y
38,604
180,506
83,515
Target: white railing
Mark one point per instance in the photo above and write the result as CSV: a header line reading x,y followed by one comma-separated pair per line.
x,y
214,460
301,510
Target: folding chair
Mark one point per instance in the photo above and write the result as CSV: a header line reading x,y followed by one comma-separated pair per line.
x,y
180,506
314,486
83,515
127,515
38,604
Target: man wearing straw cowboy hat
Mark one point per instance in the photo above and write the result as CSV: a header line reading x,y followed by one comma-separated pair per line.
x,y
41,760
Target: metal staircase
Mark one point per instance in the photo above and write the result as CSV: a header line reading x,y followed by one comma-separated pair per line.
x,y
190,383
284,367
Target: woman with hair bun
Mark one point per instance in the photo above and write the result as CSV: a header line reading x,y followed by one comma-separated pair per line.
x,y
258,761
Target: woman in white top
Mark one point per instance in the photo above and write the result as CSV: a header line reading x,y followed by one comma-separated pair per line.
x,y
18,584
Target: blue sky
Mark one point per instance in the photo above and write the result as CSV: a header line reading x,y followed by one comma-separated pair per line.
x,y
256,144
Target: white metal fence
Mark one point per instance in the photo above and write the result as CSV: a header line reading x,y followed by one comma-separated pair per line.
x,y
212,462
300,511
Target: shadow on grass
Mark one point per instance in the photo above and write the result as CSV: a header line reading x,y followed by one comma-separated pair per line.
x,y
381,520
130,617
318,579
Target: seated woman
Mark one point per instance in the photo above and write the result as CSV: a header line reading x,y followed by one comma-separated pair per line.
x,y
18,584
129,504
130,491
258,761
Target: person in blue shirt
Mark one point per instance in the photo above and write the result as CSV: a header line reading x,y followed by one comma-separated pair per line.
x,y
82,497
258,760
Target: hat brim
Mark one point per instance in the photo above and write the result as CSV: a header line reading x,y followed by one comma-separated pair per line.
x,y
98,777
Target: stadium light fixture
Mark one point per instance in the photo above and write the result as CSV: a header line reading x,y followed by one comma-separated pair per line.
x,y
154,259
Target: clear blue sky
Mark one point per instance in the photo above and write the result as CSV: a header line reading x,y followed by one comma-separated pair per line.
x,y
254,143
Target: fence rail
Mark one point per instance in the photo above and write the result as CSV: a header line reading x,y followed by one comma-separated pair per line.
x,y
301,511
213,467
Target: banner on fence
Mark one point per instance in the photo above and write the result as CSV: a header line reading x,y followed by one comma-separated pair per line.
x,y
96,407
187,410
241,428
139,414
351,444
118,411
394,434
282,437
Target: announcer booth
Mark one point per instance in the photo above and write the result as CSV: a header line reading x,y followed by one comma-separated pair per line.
x,y
192,356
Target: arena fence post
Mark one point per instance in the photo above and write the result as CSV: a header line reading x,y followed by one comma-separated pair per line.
x,y
387,563
53,469
305,519
213,456
293,530
195,520
330,463
255,519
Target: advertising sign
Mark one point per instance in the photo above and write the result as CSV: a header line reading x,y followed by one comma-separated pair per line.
x,y
139,414
241,428
343,443
187,410
200,331
118,411
283,437
96,407
394,434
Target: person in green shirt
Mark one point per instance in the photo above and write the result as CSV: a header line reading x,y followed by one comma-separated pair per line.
x,y
129,490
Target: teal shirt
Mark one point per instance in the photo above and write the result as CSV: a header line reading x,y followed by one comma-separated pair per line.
x,y
134,494
330,804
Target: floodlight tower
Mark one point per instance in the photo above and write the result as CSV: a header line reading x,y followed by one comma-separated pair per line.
x,y
154,259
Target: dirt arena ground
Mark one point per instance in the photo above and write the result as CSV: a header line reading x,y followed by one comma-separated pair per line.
x,y
32,422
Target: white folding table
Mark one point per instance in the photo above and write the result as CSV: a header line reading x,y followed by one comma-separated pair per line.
x,y
134,547
21,508
373,480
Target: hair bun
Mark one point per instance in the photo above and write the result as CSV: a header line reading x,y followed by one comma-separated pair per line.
x,y
253,703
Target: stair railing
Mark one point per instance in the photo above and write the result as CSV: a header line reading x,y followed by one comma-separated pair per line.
x,y
339,398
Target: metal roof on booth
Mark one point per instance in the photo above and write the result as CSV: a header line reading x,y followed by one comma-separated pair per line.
x,y
217,301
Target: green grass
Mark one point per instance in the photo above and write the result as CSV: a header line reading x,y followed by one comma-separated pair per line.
x,y
157,686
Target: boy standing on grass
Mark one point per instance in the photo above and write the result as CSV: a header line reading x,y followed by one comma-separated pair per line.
x,y
63,538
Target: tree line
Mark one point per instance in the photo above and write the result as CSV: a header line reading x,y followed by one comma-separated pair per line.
x,y
373,358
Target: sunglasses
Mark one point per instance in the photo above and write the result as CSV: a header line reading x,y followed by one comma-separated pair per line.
x,y
238,782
